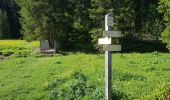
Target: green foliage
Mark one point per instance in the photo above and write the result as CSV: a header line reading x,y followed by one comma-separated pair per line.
x,y
153,24
17,48
46,20
147,19
81,22
33,22
161,92
13,26
97,12
127,76
135,18
124,16
164,9
22,53
81,76
4,25
76,88
143,46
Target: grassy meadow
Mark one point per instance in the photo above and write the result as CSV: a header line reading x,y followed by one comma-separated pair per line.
x,y
19,43
18,48
81,76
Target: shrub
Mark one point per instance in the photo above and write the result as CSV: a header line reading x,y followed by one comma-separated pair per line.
x,y
71,89
79,87
164,8
75,88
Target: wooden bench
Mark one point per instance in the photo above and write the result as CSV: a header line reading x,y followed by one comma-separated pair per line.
x,y
45,48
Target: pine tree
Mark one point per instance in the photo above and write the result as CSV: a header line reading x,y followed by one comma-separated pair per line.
x,y
46,19
123,13
81,24
124,16
76,21
4,25
11,9
97,12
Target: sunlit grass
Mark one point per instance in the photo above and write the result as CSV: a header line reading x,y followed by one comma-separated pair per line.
x,y
20,43
134,75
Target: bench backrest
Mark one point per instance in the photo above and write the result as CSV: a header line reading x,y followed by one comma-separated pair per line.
x,y
44,45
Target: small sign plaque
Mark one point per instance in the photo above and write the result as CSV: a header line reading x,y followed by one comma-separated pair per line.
x,y
112,47
116,34
109,21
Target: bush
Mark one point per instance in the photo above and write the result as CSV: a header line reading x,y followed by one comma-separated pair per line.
x,y
164,8
76,88
79,87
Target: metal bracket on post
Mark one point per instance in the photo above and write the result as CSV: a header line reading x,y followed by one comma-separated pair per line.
x,y
108,48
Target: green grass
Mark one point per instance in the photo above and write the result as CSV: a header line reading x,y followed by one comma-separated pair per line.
x,y
81,76
19,43
17,47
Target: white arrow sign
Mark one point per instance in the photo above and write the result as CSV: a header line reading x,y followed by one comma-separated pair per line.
x,y
104,41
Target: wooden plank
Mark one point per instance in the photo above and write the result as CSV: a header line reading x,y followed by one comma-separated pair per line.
x,y
104,41
116,34
112,47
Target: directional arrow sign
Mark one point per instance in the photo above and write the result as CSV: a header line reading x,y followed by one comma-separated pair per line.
x,y
112,47
103,41
112,34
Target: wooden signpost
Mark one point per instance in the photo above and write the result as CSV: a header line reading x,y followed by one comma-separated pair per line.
x,y
109,45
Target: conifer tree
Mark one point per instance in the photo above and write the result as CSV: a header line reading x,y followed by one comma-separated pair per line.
x,y
4,25
11,9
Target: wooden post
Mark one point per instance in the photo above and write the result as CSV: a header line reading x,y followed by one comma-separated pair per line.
x,y
108,60
110,43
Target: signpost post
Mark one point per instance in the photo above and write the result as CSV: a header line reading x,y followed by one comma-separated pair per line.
x,y
108,48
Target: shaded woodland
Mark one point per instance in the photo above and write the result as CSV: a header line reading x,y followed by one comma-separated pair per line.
x,y
77,24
